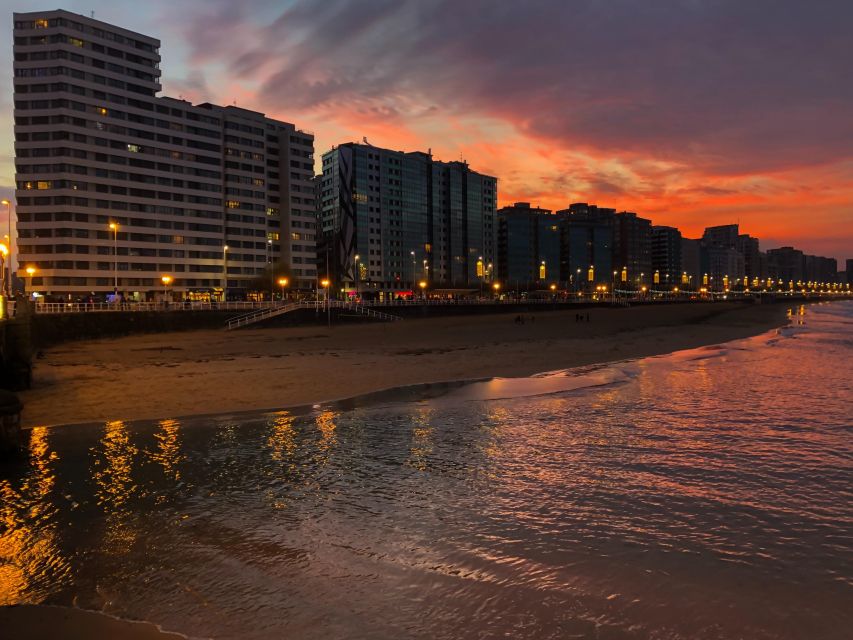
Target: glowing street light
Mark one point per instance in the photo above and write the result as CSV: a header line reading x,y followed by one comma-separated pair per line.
x,y
4,252
224,273
166,280
282,282
8,204
114,229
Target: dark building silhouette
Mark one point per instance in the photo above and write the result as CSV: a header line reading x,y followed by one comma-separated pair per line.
x,y
632,247
691,262
528,246
786,264
666,255
586,241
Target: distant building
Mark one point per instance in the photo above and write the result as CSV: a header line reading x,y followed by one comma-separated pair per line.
x,y
528,246
850,271
752,262
390,219
786,264
586,241
691,262
666,255
632,247
723,259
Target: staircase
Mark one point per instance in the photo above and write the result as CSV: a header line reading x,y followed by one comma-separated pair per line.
x,y
264,314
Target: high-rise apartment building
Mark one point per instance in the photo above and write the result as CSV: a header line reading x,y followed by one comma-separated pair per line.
x,y
752,262
117,187
587,233
528,246
723,260
632,246
666,255
691,262
786,264
391,219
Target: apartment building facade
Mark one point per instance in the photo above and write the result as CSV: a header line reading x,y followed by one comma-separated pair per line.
x,y
528,246
117,187
390,220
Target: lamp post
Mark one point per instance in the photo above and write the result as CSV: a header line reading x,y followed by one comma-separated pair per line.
x,y
4,253
355,273
282,282
8,204
30,273
272,271
225,273
166,280
414,271
114,229
325,284
423,285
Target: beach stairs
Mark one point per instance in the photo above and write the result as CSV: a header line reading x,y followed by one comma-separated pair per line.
x,y
259,315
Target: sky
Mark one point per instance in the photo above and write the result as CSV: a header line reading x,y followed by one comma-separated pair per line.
x,y
692,113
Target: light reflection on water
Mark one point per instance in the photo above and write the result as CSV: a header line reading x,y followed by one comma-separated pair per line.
x,y
705,494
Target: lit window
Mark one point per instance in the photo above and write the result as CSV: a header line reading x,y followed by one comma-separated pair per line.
x,y
134,148
296,236
232,204
77,42
272,211
41,23
102,110
44,184
177,239
273,235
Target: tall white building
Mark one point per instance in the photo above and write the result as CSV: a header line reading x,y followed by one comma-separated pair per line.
x,y
117,187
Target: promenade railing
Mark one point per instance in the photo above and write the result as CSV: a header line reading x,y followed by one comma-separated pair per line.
x,y
620,297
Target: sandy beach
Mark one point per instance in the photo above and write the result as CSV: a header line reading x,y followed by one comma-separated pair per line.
x,y
168,375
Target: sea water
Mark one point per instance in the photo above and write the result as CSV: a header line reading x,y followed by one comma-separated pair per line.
x,y
702,494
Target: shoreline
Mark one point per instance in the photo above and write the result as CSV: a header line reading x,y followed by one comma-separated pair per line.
x,y
210,372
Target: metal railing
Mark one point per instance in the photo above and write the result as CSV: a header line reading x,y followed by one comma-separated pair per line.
x,y
614,297
317,305
262,314
365,310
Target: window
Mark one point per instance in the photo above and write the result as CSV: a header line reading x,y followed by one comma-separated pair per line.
x,y
134,148
41,23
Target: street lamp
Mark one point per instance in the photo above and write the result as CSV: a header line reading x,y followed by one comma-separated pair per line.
x,y
271,263
30,272
8,204
355,273
282,282
114,229
166,280
4,252
414,269
422,284
225,273
325,282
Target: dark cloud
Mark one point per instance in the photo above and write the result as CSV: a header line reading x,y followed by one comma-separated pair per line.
x,y
723,85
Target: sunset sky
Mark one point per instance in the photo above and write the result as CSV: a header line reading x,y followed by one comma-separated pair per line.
x,y
692,113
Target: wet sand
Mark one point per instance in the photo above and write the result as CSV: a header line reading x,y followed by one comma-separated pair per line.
x,y
48,623
170,375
